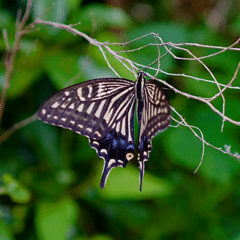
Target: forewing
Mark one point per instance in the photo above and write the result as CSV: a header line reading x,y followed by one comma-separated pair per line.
x,y
155,117
102,110
90,108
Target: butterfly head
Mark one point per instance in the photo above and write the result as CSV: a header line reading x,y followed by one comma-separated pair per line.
x,y
141,80
141,76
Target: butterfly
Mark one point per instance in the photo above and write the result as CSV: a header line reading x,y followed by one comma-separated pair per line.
x,y
103,110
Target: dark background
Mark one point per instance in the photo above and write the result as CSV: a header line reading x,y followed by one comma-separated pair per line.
x,y
50,176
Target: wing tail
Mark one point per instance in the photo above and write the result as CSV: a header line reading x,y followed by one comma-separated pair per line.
x,y
141,166
144,148
105,173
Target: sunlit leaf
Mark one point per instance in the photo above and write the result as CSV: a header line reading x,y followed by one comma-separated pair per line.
x,y
56,219
123,184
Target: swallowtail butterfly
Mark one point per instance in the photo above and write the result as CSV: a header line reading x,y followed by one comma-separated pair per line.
x,y
103,110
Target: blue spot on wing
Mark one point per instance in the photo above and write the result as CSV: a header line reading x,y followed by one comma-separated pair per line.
x,y
114,143
122,143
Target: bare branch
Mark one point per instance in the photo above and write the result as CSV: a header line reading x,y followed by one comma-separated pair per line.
x,y
184,123
207,101
228,85
168,48
6,42
120,58
26,15
11,54
17,126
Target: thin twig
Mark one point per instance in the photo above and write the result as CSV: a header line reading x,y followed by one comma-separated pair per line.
x,y
228,85
105,48
10,57
17,126
26,15
184,123
6,42
117,56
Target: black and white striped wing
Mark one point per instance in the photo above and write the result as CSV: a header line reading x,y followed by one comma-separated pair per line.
x,y
101,109
156,117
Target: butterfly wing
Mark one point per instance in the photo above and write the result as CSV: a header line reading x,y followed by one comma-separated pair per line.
x,y
154,116
102,110
118,146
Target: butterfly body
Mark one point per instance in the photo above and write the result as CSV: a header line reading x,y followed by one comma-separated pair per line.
x,y
103,110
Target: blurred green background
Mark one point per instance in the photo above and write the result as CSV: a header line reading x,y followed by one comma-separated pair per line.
x,y
50,176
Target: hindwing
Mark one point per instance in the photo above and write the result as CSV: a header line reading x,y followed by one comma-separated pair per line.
x,y
118,146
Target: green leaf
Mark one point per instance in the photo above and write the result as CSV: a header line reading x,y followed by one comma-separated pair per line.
x,y
5,233
57,13
97,236
100,62
101,237
61,67
56,219
186,150
28,68
123,184
15,190
74,4
48,142
7,21
236,26
99,70
173,32
21,81
183,147
100,16
169,32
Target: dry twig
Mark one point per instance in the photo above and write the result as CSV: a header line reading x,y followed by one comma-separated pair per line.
x,y
169,47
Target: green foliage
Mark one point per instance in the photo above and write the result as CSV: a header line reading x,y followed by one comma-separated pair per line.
x,y
50,177
103,15
56,219
119,189
15,190
5,233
